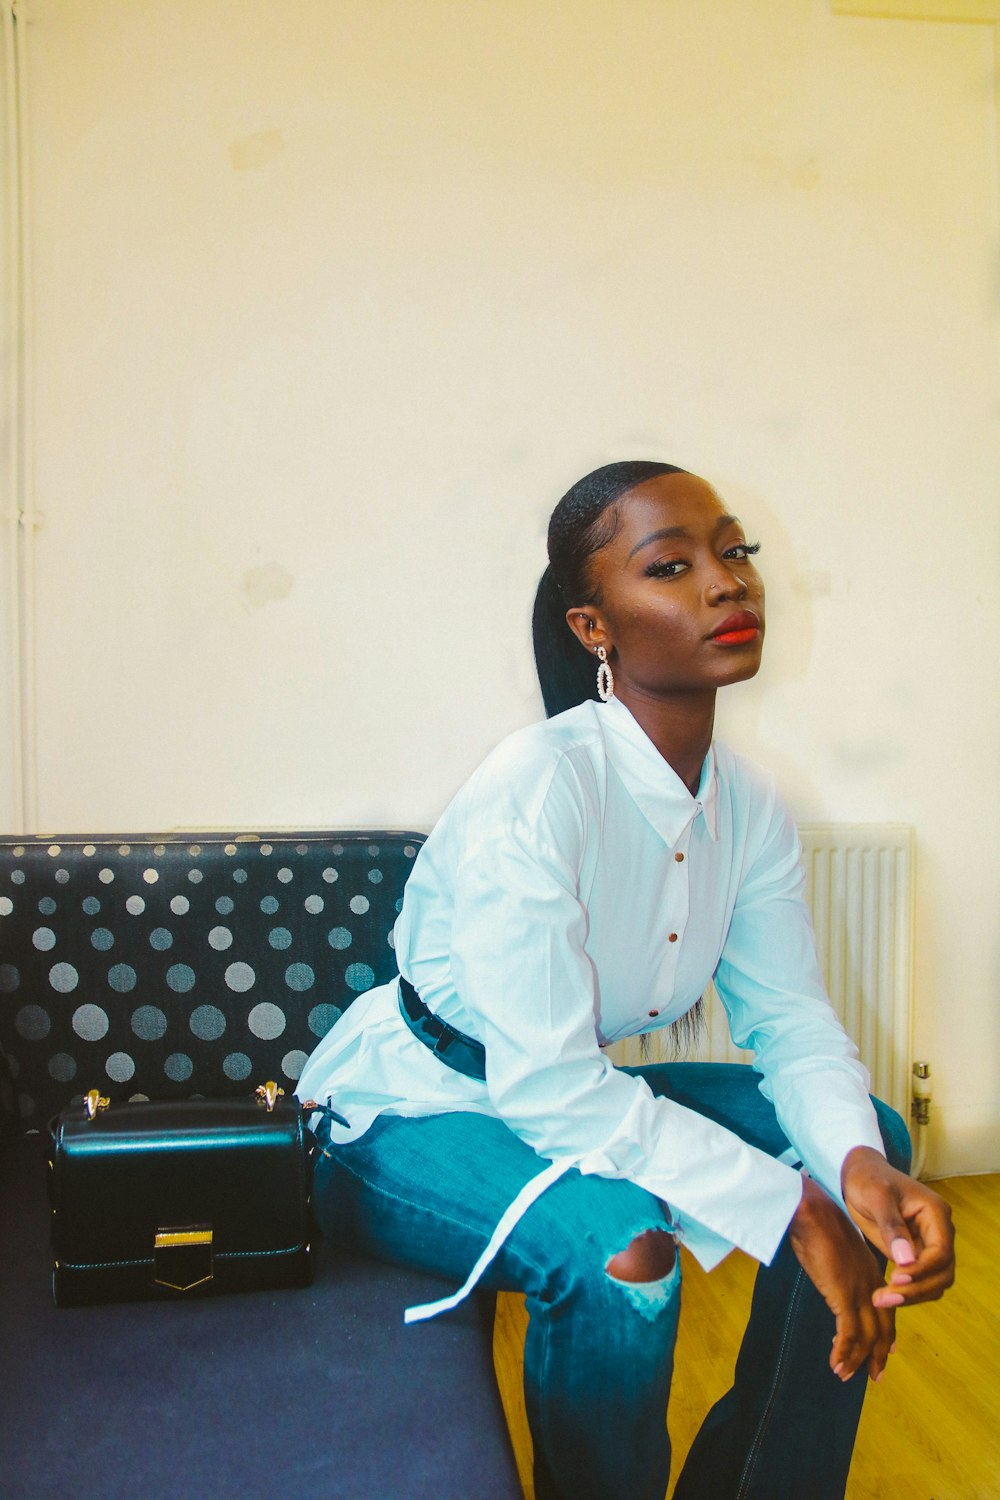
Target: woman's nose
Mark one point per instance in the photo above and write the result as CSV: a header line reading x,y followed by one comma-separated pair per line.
x,y
727,585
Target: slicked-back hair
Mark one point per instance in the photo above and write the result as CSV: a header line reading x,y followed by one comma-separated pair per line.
x,y
584,521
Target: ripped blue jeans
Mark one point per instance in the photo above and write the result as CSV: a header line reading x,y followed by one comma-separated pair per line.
x,y
600,1350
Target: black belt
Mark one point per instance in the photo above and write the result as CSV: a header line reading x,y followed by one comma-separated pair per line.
x,y
454,1048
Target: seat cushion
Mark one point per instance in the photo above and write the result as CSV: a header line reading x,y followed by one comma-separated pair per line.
x,y
320,1392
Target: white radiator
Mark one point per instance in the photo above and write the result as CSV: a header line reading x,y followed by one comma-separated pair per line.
x,y
859,884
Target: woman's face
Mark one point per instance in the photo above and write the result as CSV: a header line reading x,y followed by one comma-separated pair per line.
x,y
679,605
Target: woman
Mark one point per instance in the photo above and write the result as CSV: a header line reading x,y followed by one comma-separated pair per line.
x,y
586,884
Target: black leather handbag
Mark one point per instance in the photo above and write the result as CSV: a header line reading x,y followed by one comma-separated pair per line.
x,y
179,1199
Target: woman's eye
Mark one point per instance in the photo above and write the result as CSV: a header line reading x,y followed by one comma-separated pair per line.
x,y
741,551
665,569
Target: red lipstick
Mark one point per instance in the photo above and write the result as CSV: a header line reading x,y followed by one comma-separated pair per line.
x,y
737,630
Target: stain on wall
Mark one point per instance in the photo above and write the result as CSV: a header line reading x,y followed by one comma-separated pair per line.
x,y
267,584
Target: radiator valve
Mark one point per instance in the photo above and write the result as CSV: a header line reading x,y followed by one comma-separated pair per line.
x,y
921,1104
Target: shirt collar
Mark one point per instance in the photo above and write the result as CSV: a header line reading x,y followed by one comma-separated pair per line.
x,y
654,786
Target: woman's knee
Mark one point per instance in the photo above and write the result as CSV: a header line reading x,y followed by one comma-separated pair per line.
x,y
895,1136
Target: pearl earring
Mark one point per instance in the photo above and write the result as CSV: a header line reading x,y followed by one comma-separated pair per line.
x,y
605,676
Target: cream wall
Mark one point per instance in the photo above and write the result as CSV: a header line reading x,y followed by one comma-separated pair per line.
x,y
333,300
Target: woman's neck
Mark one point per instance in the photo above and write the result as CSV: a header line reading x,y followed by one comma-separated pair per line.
x,y
680,727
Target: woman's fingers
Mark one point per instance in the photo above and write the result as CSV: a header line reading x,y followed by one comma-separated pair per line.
x,y
908,1221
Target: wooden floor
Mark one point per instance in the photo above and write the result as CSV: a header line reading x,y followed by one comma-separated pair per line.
x,y
931,1427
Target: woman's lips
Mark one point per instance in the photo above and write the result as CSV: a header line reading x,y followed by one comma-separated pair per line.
x,y
737,630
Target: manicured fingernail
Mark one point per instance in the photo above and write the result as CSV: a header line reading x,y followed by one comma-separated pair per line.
x,y
888,1299
837,1368
892,1347
878,1377
902,1252
900,1278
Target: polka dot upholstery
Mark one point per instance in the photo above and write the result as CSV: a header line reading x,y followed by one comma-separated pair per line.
x,y
185,964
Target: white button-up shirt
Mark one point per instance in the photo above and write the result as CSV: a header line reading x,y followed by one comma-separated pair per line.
x,y
575,892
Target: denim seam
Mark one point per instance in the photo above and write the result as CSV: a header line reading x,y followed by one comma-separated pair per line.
x,y
753,1454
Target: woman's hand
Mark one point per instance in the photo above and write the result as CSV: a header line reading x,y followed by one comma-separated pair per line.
x,y
908,1222
845,1273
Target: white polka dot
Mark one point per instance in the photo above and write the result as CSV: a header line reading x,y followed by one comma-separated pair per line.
x,y
240,977
240,875
43,938
135,905
391,938
90,1022
17,876
18,850
339,937
302,848
119,1067
150,876
178,1067
359,976
54,850
138,1098
62,1067
179,905
124,849
230,848
161,938
409,850
32,1022
220,938
266,1021
47,906
375,876
122,978
299,977
265,848
292,1064
373,850
159,850
314,904
6,906
89,849
207,1022
91,905
322,1017
194,849
149,1023
63,978
106,876
195,877
329,875
102,938
62,877
180,978
269,904
360,904
284,874
237,1066
224,905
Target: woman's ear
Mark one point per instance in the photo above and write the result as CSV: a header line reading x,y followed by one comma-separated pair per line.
x,y
587,624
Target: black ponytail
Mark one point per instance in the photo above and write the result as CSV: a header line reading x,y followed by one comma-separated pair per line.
x,y
582,523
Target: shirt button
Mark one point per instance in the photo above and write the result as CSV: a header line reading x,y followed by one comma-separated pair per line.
x,y
679,858
654,1012
672,938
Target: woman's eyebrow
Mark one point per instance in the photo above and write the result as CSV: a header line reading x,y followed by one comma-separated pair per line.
x,y
665,531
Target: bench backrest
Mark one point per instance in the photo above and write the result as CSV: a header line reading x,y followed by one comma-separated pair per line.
x,y
189,963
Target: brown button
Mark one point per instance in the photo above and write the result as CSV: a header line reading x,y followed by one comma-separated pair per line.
x,y
679,858
654,1012
672,938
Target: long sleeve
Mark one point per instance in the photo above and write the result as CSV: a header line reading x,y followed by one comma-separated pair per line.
x,y
769,982
526,984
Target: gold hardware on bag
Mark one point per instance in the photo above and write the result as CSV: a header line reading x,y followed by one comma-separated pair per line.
x,y
182,1256
269,1094
93,1102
